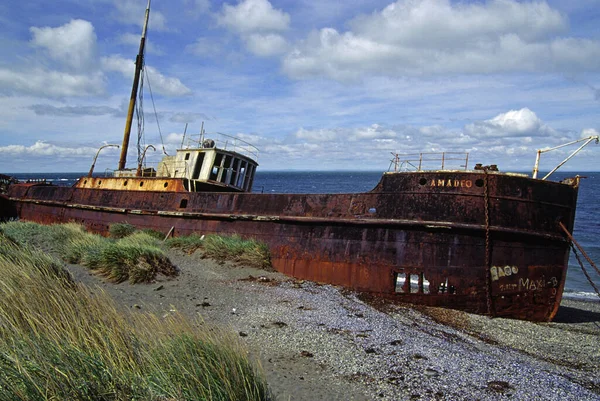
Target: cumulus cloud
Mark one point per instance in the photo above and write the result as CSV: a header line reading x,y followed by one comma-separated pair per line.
x,y
514,123
167,86
253,16
258,24
266,45
512,137
417,37
42,82
72,44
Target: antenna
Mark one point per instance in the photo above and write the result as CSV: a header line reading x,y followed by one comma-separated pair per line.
x,y
183,139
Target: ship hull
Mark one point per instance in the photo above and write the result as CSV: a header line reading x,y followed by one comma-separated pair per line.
x,y
480,242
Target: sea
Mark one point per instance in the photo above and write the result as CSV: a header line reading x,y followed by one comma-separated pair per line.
x,y
587,221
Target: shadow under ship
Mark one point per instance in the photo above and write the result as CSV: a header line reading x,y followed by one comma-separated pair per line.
x,y
477,240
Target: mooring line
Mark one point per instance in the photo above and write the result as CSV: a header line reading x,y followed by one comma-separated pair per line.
x,y
574,243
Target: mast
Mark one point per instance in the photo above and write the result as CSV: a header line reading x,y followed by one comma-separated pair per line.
x,y
139,62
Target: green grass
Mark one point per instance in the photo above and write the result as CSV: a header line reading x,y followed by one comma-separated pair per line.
x,y
236,249
137,257
188,243
121,230
59,340
247,252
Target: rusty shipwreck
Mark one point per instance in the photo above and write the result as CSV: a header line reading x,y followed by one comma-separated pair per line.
x,y
477,240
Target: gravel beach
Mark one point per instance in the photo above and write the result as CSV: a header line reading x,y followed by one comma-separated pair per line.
x,y
319,342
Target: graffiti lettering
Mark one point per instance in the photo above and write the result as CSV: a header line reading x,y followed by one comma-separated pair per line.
x,y
539,284
498,271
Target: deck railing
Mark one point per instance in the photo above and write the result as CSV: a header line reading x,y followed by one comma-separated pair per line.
x,y
221,141
429,161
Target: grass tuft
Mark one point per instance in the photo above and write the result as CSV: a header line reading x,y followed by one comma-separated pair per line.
x,y
121,230
188,243
248,252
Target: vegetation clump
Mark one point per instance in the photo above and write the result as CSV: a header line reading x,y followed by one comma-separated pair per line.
x,y
131,254
137,257
59,340
121,230
248,252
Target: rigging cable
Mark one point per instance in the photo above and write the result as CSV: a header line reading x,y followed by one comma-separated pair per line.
x,y
162,142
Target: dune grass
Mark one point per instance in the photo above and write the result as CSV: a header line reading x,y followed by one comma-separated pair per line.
x,y
130,254
247,252
121,230
60,340
137,257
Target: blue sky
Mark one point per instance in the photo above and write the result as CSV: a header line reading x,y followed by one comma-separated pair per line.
x,y
314,85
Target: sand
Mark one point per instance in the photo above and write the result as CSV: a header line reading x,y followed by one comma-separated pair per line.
x,y
320,342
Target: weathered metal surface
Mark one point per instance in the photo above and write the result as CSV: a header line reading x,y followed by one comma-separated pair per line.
x,y
145,184
419,237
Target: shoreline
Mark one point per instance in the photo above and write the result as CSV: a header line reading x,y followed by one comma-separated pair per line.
x,y
322,342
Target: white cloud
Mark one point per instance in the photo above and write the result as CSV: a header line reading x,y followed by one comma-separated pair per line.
x,y
74,111
419,37
72,44
42,82
319,135
266,45
514,123
160,84
253,16
41,148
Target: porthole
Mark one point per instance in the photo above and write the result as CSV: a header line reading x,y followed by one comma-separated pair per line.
x,y
141,183
183,203
479,183
423,181
99,182
166,184
125,183
84,182
372,210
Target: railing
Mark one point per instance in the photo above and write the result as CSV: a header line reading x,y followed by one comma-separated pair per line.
x,y
429,161
221,141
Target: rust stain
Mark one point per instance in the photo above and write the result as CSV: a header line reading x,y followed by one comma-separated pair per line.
x,y
418,237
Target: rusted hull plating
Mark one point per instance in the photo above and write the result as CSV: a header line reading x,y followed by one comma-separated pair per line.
x,y
422,238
